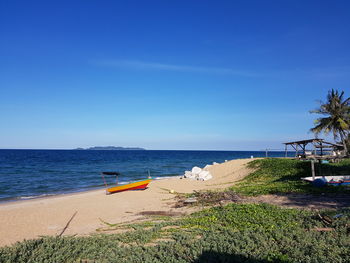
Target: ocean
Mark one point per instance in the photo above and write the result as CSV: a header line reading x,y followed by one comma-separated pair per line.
x,y
26,174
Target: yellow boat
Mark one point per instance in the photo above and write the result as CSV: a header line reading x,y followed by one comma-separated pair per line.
x,y
138,185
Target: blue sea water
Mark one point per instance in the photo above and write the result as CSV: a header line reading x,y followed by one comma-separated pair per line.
x,y
26,174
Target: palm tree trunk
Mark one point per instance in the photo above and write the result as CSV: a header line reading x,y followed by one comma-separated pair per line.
x,y
342,137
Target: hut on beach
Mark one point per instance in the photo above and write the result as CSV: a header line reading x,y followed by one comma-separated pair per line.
x,y
315,149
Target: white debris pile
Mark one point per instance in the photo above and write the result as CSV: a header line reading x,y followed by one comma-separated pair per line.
x,y
199,174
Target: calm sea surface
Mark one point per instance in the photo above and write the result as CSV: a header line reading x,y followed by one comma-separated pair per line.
x,y
26,174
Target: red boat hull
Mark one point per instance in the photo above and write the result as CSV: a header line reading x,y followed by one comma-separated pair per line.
x,y
140,185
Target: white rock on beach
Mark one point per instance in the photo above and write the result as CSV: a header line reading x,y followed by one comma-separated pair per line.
x,y
204,175
188,174
198,174
196,170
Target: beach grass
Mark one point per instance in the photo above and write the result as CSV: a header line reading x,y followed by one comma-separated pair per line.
x,y
277,175
233,233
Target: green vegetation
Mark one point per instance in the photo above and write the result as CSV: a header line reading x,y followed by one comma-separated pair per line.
x,y
273,176
234,233
336,112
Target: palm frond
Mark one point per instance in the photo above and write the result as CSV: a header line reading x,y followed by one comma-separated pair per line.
x,y
337,115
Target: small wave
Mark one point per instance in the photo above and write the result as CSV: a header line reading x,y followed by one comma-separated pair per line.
x,y
33,196
166,177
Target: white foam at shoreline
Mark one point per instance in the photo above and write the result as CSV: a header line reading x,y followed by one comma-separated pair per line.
x,y
166,177
23,198
34,196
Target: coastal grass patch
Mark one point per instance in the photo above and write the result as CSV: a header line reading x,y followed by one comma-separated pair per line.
x,y
274,175
207,198
232,233
243,217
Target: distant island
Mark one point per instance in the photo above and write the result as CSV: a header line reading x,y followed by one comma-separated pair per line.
x,y
112,148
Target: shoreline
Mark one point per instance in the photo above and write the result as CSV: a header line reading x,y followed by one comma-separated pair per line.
x,y
43,196
47,216
74,192
46,196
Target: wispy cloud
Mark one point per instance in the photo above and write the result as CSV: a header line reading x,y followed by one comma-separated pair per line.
x,y
315,73
143,65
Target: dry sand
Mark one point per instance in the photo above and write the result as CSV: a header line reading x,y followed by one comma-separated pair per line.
x,y
48,216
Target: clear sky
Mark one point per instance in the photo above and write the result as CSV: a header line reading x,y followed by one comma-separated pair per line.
x,y
230,75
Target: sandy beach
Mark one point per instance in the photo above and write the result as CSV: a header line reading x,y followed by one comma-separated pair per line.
x,y
48,216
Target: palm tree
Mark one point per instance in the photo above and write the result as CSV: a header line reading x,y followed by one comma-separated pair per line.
x,y
337,117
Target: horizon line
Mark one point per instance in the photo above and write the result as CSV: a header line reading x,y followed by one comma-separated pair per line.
x,y
82,149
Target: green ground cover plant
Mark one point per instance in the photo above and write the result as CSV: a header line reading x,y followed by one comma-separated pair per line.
x,y
232,233
274,175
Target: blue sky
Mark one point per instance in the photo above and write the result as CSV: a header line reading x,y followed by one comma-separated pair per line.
x,y
230,75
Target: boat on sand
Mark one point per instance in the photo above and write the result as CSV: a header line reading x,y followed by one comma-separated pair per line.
x,y
329,180
136,185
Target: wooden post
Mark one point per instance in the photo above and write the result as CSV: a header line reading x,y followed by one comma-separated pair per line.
x,y
320,167
286,151
104,180
313,169
314,149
